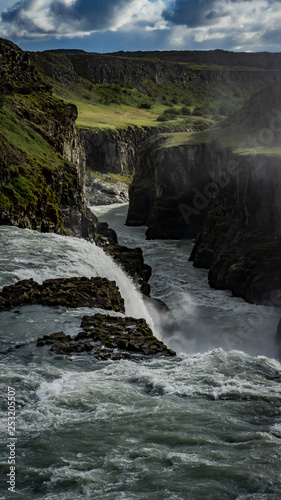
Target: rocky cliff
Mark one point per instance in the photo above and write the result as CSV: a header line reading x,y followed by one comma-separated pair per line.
x,y
42,163
112,151
240,237
41,158
228,198
100,68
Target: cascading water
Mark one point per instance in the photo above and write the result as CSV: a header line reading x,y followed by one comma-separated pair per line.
x,y
204,425
44,256
207,319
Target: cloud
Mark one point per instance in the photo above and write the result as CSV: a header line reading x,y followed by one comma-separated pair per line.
x,y
192,13
230,24
37,18
144,24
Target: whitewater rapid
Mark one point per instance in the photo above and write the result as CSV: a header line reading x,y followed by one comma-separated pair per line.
x,y
205,425
207,318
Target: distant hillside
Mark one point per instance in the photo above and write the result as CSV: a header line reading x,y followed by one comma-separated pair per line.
x,y
259,60
253,129
124,89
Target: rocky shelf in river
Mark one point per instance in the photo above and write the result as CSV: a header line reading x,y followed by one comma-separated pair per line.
x,y
66,292
106,337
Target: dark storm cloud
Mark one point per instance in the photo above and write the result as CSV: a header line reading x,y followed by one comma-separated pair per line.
x,y
195,13
88,14
191,12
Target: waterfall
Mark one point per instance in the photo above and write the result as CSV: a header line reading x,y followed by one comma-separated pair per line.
x,y
46,256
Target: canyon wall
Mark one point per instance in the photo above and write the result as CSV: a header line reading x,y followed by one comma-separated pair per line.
x,y
112,150
99,68
41,157
230,202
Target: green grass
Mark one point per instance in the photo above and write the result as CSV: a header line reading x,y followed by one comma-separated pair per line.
x,y
29,167
101,106
222,140
26,141
110,177
253,130
117,116
175,139
140,104
119,105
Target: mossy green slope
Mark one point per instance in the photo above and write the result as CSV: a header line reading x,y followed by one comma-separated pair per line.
x,y
253,129
36,182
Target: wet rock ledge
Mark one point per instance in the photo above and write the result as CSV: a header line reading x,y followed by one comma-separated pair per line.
x,y
103,336
106,337
66,292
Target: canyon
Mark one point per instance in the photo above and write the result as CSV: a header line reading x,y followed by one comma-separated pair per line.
x,y
197,180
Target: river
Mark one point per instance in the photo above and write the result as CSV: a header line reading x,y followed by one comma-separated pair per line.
x,y
203,425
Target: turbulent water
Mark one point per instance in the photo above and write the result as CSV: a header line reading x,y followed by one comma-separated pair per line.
x,y
203,425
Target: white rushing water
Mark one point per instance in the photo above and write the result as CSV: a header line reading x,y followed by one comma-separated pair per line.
x,y
42,256
205,425
208,318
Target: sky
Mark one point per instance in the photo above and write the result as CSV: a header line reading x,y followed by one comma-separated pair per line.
x,y
129,25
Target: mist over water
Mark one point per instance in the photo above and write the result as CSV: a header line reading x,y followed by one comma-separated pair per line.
x,y
207,318
204,425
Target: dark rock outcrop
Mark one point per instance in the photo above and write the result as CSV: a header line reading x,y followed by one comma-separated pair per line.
x,y
106,337
65,292
235,201
247,263
17,73
131,261
163,183
112,151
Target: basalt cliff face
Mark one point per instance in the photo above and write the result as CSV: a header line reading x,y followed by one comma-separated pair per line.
x,y
163,181
229,201
112,151
41,157
100,68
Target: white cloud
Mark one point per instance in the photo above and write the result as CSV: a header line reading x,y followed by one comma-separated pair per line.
x,y
231,24
37,18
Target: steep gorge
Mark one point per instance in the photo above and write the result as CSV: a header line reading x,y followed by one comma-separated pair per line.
x,y
229,200
42,163
195,185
